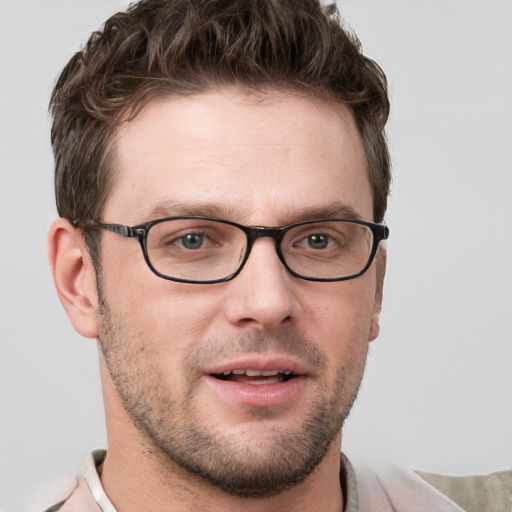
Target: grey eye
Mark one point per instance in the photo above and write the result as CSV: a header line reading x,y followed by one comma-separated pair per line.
x,y
318,241
192,241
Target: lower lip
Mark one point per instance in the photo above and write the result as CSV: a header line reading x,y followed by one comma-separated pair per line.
x,y
263,395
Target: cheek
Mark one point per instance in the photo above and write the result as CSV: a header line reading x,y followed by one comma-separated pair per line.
x,y
143,297
345,306
165,319
339,318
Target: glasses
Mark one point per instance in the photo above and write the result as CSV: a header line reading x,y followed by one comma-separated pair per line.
x,y
205,250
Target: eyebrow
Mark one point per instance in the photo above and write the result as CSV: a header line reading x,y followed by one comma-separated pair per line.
x,y
338,210
172,208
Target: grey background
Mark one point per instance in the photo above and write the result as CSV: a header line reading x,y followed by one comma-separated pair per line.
x,y
437,391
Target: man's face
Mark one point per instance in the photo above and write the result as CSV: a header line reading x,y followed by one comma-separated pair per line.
x,y
167,345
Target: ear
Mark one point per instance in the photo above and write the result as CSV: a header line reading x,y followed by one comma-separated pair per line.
x,y
74,276
380,267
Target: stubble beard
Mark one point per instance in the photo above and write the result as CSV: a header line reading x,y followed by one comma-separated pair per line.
x,y
180,437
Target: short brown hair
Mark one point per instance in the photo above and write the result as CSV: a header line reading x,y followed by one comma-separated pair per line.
x,y
183,47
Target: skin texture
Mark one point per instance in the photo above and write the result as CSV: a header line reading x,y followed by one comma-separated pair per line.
x,y
174,438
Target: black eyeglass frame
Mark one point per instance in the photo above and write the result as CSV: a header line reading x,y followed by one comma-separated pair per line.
x,y
380,232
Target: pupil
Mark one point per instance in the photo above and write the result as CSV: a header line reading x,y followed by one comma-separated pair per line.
x,y
317,241
192,241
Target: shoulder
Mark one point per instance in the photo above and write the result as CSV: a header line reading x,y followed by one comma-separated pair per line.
x,y
387,487
86,491
80,500
492,493
63,498
56,507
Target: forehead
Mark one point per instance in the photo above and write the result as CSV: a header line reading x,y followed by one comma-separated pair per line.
x,y
262,159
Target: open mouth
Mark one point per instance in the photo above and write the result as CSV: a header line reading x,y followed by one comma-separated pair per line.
x,y
255,377
258,382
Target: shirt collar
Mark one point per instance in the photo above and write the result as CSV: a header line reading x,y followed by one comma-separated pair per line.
x,y
349,486
91,477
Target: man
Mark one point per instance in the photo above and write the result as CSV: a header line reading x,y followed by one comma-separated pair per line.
x,y
221,178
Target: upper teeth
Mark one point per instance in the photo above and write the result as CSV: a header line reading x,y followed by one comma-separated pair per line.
x,y
255,373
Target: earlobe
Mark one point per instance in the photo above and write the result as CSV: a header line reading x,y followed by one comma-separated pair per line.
x,y
74,276
380,264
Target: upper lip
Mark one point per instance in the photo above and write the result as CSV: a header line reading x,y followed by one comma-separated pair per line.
x,y
258,363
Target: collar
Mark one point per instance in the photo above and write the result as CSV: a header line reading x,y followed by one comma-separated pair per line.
x,y
92,479
349,485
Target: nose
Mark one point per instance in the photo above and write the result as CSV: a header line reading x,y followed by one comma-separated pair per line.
x,y
261,295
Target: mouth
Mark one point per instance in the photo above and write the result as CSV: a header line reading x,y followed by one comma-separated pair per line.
x,y
258,381
255,377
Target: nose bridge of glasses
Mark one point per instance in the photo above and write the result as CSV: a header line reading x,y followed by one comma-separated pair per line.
x,y
255,232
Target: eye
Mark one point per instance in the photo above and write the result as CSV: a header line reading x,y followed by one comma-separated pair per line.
x,y
191,241
317,241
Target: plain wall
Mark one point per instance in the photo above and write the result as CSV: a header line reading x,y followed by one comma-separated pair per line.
x,y
437,394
